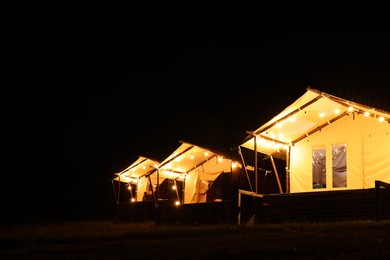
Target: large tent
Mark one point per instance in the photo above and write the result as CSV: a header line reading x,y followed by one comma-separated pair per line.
x,y
327,142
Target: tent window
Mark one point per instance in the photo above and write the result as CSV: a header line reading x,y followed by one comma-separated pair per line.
x,y
339,165
319,167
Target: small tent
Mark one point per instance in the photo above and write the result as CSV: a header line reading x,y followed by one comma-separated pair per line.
x,y
327,143
134,178
197,169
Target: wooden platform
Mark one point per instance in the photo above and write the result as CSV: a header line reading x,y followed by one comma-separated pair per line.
x,y
365,204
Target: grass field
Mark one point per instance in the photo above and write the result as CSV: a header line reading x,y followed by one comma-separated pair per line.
x,y
109,240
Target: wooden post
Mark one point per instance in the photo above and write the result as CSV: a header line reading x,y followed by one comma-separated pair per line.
x,y
276,173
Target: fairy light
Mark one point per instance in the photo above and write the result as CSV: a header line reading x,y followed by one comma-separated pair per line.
x,y
234,165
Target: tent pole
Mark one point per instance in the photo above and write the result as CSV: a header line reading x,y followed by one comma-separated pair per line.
x,y
158,185
119,188
151,185
288,170
246,171
130,190
239,207
177,192
184,188
276,173
255,148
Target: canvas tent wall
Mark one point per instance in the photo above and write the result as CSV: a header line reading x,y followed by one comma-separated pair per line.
x,y
351,140
197,168
136,175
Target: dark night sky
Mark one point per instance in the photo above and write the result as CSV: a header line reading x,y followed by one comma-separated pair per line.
x,y
100,85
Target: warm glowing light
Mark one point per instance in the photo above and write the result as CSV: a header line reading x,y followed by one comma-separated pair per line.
x,y
322,114
192,156
381,119
234,165
350,109
337,111
132,199
206,153
278,124
144,167
220,158
129,188
177,203
367,113
292,118
173,187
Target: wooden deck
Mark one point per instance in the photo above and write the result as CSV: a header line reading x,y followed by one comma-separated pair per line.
x,y
364,204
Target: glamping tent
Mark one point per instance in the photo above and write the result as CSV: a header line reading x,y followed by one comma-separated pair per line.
x,y
328,143
133,180
188,175
193,171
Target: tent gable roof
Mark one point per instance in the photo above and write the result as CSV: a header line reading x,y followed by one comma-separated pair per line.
x,y
189,157
140,168
310,113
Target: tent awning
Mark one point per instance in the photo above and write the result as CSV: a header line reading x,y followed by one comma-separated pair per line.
x,y
140,168
188,157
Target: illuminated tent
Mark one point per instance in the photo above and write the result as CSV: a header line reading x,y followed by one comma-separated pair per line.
x,y
196,168
328,143
135,177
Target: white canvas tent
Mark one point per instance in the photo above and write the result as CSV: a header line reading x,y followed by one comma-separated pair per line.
x,y
328,143
136,175
197,168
